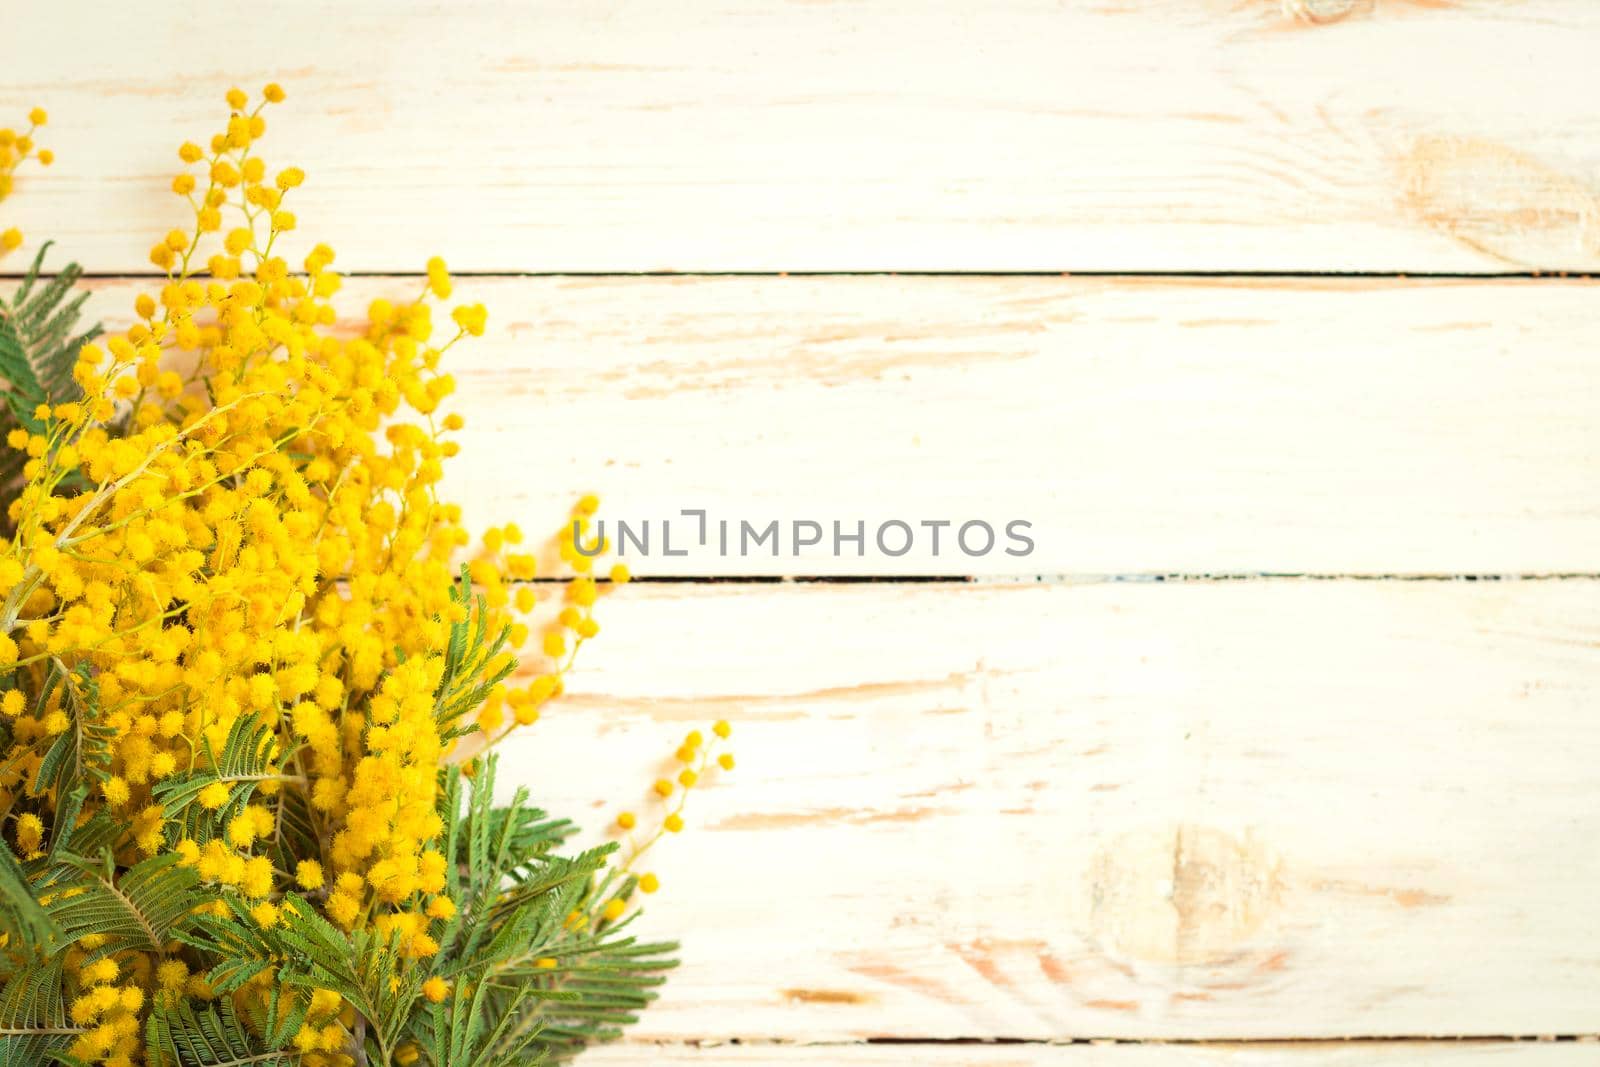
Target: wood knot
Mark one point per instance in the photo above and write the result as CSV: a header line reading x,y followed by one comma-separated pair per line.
x,y
826,996
1185,894
1323,12
1497,200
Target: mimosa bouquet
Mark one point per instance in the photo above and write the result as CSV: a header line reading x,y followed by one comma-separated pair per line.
x,y
253,670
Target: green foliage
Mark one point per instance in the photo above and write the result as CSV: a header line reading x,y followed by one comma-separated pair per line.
x,y
453,1033
535,972
177,1034
475,661
543,986
241,948
137,908
38,349
33,1015
22,918
517,898
249,757
80,756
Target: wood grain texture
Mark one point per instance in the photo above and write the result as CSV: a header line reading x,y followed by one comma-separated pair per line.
x,y
770,135
1301,1054
1077,809
1141,426
1203,810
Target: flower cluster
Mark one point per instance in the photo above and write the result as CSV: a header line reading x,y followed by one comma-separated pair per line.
x,y
696,759
232,546
17,148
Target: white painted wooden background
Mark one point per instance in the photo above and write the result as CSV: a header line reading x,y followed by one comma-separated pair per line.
x,y
1323,794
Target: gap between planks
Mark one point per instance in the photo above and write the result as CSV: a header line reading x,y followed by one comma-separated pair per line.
x,y
1446,1040
13,273
1136,578
979,1052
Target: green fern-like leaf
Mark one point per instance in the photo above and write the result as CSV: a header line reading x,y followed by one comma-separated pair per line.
x,y
178,1034
84,749
249,757
517,899
455,1033
22,917
138,908
366,968
239,944
34,1027
601,981
38,348
77,760
473,663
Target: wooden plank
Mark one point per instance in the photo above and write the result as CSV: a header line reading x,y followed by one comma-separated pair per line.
x,y
1299,1054
1204,810
1139,425
766,135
